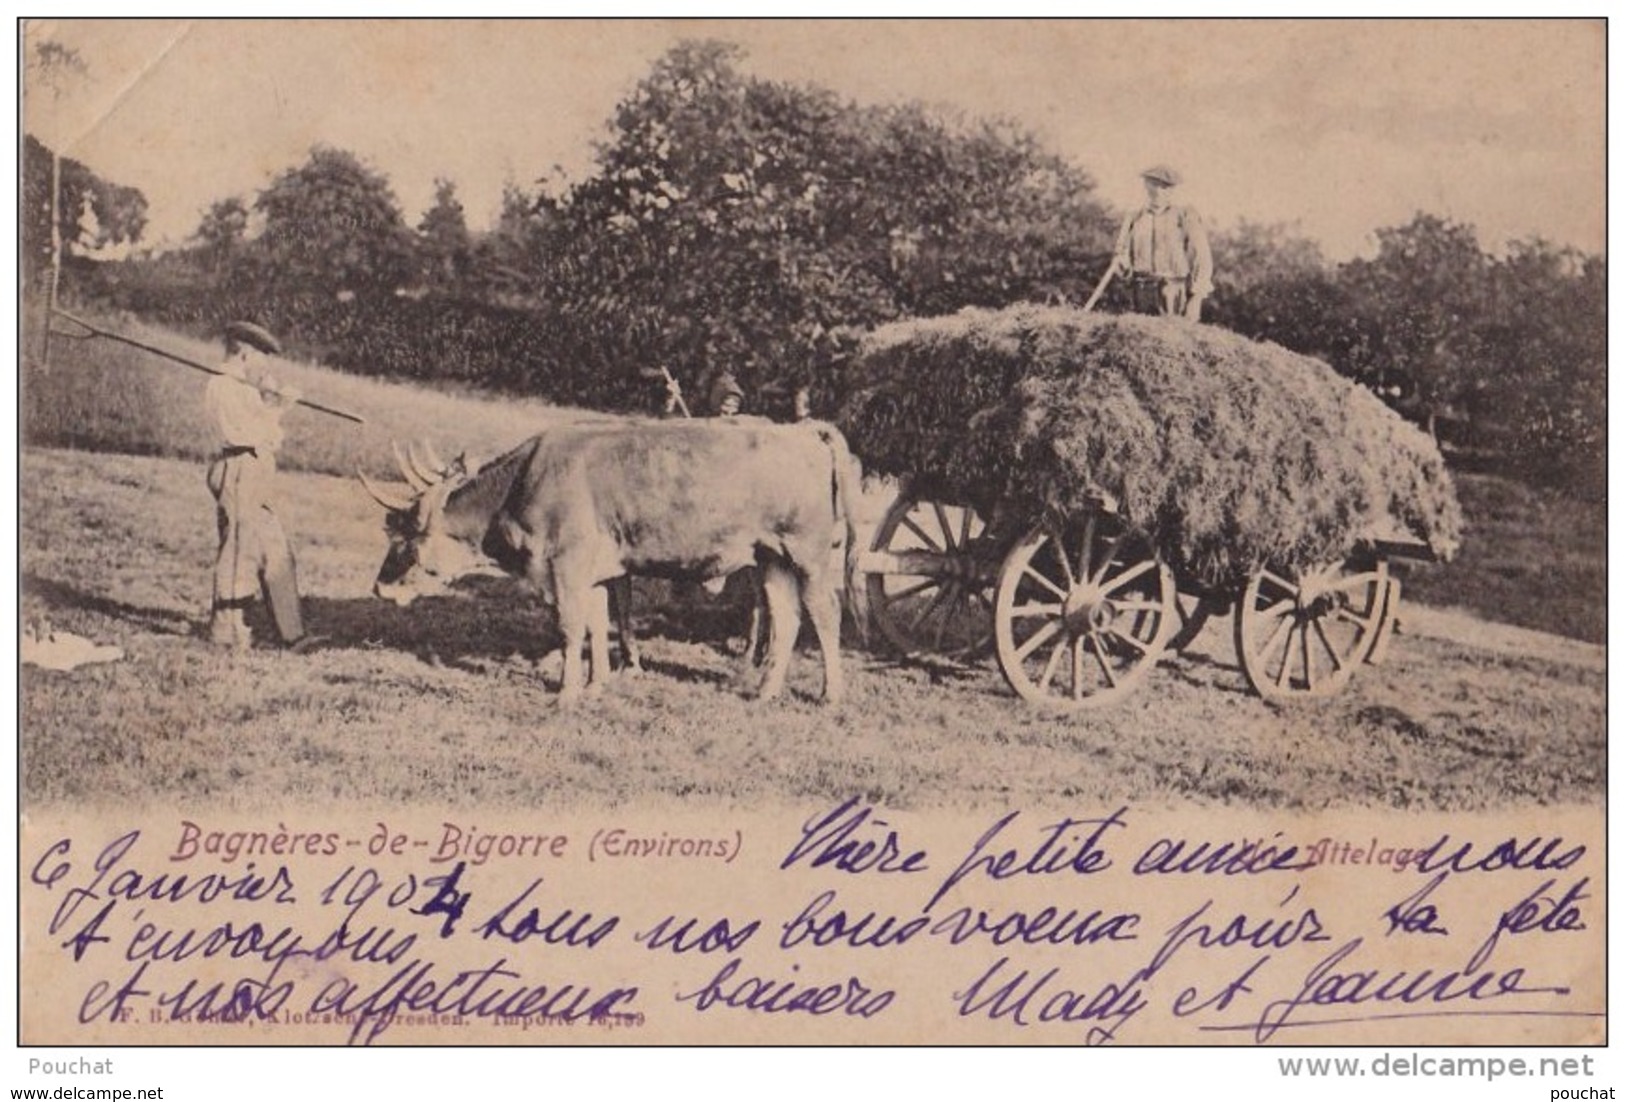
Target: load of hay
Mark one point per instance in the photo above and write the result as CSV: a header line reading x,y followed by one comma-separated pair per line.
x,y
1231,454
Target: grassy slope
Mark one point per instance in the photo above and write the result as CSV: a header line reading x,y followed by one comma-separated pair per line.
x,y
1531,558
105,396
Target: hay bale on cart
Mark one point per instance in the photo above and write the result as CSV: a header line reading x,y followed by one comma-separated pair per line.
x,y
1238,471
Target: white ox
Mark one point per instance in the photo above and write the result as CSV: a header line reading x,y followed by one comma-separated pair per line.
x,y
579,508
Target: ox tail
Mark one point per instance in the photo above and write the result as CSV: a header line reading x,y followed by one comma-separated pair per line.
x,y
844,491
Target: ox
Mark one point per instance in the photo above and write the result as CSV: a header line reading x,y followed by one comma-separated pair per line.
x,y
578,508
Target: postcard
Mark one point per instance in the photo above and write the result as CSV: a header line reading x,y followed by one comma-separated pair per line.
x,y
813,532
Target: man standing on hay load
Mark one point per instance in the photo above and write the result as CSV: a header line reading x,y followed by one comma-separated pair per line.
x,y
1163,253
254,556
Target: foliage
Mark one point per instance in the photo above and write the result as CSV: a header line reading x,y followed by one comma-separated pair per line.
x,y
1500,355
1421,296
1231,454
221,233
92,212
100,395
54,67
1545,365
333,227
444,244
460,341
752,225
1274,285
733,222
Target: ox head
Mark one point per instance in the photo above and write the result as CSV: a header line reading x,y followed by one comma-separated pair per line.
x,y
423,556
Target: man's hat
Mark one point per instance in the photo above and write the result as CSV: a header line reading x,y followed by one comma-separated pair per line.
x,y
246,332
1161,174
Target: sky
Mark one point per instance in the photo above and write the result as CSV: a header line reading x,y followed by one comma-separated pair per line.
x,y
1334,128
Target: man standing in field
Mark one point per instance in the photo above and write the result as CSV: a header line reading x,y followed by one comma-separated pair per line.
x,y
1163,253
254,556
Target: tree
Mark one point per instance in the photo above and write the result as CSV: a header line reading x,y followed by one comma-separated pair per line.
x,y
1273,284
1420,298
117,213
221,232
1545,349
734,221
54,67
334,227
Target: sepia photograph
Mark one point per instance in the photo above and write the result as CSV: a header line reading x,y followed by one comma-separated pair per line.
x,y
814,532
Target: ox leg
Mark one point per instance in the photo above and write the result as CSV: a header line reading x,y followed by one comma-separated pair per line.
x,y
780,586
583,609
756,636
573,626
824,609
620,595
574,631
574,604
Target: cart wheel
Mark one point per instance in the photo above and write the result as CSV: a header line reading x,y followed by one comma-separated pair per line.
x,y
930,580
1081,616
1191,613
1303,636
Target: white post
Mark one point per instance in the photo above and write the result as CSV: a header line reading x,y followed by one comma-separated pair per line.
x,y
56,254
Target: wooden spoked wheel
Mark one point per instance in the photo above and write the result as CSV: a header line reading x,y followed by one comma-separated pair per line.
x,y
1082,614
930,573
1303,635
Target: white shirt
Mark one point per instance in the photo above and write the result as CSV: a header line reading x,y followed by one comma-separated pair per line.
x,y
1168,242
241,416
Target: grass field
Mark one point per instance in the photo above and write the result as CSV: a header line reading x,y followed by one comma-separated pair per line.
x,y
1529,558
452,701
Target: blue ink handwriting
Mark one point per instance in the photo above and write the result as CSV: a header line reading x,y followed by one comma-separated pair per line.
x,y
1061,848
850,996
830,839
1414,914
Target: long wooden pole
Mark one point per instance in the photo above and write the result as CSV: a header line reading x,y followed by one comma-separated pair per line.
x,y
1100,288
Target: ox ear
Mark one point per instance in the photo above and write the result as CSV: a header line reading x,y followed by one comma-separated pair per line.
x,y
389,502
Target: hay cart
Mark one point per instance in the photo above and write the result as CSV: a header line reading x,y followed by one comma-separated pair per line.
x,y
1080,493
1078,609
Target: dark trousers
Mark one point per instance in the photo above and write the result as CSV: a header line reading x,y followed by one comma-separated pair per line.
x,y
1152,295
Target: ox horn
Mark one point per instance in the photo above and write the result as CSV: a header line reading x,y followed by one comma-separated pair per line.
x,y
409,469
429,466
394,505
